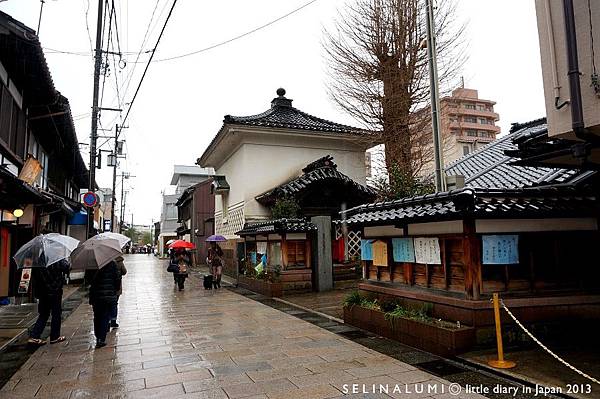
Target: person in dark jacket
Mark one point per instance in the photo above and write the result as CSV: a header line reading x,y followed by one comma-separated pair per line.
x,y
48,289
115,310
103,297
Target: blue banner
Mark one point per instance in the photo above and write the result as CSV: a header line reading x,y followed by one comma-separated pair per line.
x,y
366,250
404,250
500,249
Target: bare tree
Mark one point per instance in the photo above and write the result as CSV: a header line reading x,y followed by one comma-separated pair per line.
x,y
379,75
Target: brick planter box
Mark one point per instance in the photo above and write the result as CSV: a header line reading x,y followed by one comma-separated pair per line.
x,y
263,287
429,337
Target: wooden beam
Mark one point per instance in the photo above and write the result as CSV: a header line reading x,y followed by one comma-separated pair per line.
x,y
307,253
471,261
284,251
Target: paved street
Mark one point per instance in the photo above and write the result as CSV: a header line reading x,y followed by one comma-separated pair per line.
x,y
205,344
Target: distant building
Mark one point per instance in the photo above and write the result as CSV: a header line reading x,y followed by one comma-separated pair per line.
x,y
184,176
468,121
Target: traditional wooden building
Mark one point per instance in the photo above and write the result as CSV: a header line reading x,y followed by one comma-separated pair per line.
x,y
41,168
196,213
286,245
528,233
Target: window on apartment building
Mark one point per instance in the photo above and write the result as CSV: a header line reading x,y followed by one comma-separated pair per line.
x,y
469,106
472,133
485,134
470,119
466,150
483,121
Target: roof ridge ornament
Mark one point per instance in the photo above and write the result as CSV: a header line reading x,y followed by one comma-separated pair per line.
x,y
281,100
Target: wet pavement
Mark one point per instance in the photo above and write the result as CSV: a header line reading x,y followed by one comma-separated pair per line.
x,y
209,344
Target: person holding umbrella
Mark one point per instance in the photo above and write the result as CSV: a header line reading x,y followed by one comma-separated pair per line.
x,y
46,255
101,254
123,240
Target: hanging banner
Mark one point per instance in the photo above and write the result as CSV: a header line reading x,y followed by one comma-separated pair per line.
x,y
403,249
500,249
427,250
366,250
380,253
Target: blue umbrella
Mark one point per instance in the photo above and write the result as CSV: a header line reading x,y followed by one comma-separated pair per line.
x,y
216,238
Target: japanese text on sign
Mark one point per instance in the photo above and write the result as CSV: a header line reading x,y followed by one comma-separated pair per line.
x,y
380,253
404,251
427,250
500,249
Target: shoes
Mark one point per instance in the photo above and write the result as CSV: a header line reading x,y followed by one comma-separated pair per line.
x,y
36,341
114,324
100,344
57,340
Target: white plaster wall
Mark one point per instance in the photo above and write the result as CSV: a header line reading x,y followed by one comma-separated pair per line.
x,y
264,161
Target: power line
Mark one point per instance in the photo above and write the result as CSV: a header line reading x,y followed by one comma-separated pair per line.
x,y
239,36
87,27
162,31
141,51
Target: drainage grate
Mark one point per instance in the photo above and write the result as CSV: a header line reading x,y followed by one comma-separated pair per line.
x,y
441,368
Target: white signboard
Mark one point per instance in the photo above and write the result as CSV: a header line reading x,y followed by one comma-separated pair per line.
x,y
427,250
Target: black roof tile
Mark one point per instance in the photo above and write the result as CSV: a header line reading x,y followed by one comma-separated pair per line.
x,y
490,167
277,226
479,203
283,115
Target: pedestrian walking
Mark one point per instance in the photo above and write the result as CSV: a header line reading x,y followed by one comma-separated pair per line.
x,y
48,289
115,311
215,261
103,298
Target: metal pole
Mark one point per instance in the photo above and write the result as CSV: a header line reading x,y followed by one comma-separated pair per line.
x,y
94,132
440,181
114,183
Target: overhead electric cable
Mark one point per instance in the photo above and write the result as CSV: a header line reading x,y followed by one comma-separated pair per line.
x,y
238,36
137,90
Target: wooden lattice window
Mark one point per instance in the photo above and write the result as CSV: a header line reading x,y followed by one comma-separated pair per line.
x,y
296,253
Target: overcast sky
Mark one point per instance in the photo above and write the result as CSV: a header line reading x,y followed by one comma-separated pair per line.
x,y
182,102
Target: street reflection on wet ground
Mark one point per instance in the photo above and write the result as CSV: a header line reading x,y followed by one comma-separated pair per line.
x,y
206,344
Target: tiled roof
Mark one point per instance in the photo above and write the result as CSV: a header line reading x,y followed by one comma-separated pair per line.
x,y
490,167
283,115
322,169
277,226
478,203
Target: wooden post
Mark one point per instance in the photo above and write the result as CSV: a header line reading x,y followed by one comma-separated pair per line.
x,y
307,252
471,260
284,252
390,254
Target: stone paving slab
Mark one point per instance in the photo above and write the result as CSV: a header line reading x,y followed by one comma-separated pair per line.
x,y
203,344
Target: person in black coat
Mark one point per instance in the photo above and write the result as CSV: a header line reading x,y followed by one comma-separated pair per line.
x,y
48,289
103,298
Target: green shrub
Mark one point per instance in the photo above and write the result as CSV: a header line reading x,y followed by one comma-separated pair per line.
x,y
285,208
352,299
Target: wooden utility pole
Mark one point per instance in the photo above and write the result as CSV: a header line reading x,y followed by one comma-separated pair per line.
x,y
94,132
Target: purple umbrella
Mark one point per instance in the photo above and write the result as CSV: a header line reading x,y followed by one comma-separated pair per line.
x,y
216,238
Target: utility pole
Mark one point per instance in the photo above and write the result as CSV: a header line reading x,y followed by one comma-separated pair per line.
x,y
94,132
440,176
114,182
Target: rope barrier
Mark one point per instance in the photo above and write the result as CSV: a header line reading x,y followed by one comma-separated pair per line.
x,y
544,347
